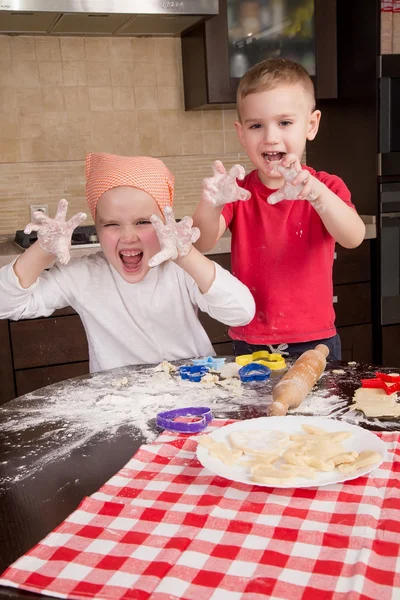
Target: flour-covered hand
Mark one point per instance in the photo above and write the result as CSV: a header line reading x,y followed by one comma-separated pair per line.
x,y
54,235
299,183
175,239
222,187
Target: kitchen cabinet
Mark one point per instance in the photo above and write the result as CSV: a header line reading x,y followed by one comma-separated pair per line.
x,y
37,352
215,54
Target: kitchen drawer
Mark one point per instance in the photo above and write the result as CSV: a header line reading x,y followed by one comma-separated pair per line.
x,y
352,266
352,304
356,343
29,380
391,346
48,341
7,389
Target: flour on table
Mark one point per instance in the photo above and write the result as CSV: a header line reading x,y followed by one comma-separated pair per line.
x,y
374,402
68,415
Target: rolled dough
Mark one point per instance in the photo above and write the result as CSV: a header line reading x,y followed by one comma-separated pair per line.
x,y
376,403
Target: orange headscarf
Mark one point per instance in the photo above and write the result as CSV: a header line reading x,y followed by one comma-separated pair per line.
x,y
106,171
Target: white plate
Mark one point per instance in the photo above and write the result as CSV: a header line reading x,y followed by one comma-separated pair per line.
x,y
360,440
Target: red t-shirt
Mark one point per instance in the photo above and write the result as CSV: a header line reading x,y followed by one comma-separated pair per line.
x,y
284,254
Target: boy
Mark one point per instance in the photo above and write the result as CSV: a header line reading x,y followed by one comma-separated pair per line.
x,y
283,251
132,313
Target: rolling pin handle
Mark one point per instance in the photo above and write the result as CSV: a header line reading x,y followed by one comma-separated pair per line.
x,y
324,350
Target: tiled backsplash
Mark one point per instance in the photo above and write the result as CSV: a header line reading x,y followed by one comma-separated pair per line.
x,y
63,97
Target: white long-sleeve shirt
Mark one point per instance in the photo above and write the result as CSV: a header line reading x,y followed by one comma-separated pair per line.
x,y
125,323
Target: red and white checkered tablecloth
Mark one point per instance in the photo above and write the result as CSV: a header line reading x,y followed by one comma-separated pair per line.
x,y
166,528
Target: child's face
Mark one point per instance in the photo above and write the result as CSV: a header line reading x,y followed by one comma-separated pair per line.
x,y
274,123
125,232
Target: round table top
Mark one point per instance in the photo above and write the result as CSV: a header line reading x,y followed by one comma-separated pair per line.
x,y
62,442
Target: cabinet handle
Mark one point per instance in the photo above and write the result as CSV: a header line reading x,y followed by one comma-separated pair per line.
x,y
334,255
335,299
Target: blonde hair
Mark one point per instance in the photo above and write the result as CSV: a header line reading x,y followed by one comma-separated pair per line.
x,y
272,72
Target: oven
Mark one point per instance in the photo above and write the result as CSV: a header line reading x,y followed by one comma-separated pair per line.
x,y
390,253
389,115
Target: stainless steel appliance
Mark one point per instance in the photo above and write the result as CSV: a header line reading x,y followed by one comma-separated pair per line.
x,y
390,253
103,17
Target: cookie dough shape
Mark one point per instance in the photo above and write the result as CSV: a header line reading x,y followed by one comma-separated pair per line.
x,y
374,402
258,442
366,458
220,450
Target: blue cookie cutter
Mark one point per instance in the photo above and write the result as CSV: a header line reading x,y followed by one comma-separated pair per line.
x,y
193,373
254,372
210,361
202,414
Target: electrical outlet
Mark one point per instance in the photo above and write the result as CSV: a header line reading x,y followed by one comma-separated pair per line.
x,y
44,208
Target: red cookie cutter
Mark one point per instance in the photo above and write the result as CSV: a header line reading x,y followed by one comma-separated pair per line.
x,y
381,381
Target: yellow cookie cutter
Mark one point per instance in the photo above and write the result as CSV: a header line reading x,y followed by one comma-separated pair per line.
x,y
273,361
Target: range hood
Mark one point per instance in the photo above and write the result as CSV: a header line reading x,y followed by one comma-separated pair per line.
x,y
103,17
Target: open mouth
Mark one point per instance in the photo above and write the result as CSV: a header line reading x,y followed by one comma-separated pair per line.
x,y
131,260
273,156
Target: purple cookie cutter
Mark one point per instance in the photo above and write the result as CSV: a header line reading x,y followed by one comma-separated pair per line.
x,y
166,419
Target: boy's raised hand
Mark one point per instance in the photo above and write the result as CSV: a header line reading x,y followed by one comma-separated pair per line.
x,y
299,183
222,188
54,235
175,239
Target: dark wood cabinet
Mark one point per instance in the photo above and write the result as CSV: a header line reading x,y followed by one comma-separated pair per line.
x,y
391,346
205,59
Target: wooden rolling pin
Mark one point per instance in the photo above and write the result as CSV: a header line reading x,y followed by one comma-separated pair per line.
x,y
291,390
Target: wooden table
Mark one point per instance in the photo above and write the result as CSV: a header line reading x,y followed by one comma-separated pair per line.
x,y
32,506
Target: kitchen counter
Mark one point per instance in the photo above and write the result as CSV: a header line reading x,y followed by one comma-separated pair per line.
x,y
63,442
9,251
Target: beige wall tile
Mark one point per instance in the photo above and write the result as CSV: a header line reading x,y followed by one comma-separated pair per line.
x,y
25,74
23,48
146,97
170,97
5,47
100,98
144,74
30,126
7,100
214,142
167,74
72,49
98,74
232,143
212,120
143,50
96,48
48,48
123,98
125,123
76,98
121,49
229,118
6,74
192,143
9,127
28,101
53,99
50,73
74,73
9,150
122,74
192,121
167,50
148,125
